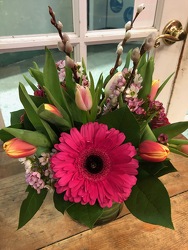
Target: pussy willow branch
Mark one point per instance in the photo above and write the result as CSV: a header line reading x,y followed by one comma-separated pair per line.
x,y
112,71
54,23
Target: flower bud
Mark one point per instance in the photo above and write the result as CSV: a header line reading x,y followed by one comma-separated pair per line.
x,y
149,42
128,25
65,37
83,98
140,8
153,151
61,46
109,88
183,148
69,62
17,148
52,109
127,35
119,50
68,47
59,25
135,56
154,88
119,61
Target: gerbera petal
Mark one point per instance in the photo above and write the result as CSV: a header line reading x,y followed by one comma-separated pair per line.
x,y
94,166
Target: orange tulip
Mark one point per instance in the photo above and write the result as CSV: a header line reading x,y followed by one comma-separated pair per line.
x,y
154,88
153,151
17,148
52,109
83,98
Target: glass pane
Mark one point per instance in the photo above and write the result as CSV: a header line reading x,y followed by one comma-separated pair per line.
x,y
21,17
12,68
109,14
101,58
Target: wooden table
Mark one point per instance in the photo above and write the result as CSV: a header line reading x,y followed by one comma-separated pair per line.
x,y
50,230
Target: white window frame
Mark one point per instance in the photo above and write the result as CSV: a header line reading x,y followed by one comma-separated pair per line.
x,y
80,38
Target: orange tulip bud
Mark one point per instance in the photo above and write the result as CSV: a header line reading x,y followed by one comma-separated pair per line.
x,y
154,88
52,109
153,151
17,148
83,98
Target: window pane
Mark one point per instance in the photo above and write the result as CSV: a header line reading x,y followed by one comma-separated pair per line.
x,y
101,58
109,14
12,68
22,17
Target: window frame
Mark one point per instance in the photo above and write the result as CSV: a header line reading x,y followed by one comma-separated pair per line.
x,y
81,37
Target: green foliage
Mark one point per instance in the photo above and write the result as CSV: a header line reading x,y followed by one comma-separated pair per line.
x,y
60,204
149,201
123,120
85,214
31,205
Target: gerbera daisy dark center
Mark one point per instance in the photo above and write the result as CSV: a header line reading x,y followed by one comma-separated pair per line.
x,y
94,164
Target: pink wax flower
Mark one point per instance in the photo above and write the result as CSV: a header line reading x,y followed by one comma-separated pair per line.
x,y
93,165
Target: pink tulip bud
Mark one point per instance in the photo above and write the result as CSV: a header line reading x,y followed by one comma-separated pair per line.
x,y
83,98
154,88
112,82
52,109
183,148
17,148
153,151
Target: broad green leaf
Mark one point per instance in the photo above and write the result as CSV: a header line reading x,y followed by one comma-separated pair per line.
x,y
146,72
60,204
176,151
53,118
142,61
163,85
34,88
15,117
38,75
149,201
31,111
31,205
123,120
5,136
178,142
70,83
128,59
157,168
33,137
51,78
148,134
38,100
85,214
171,130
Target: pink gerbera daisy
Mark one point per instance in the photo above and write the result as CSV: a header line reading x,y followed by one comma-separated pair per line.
x,y
93,165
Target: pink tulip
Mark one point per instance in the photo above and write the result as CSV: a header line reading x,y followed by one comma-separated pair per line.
x,y
83,98
17,148
153,151
183,148
154,88
52,109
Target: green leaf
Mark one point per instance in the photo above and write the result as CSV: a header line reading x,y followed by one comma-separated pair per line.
x,y
34,88
128,59
60,204
163,85
5,136
146,72
123,120
53,118
31,205
51,78
157,168
31,111
85,214
142,61
148,134
38,75
38,100
149,201
176,151
171,130
33,137
15,116
70,83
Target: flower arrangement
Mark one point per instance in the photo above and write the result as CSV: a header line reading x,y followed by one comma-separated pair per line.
x,y
95,145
